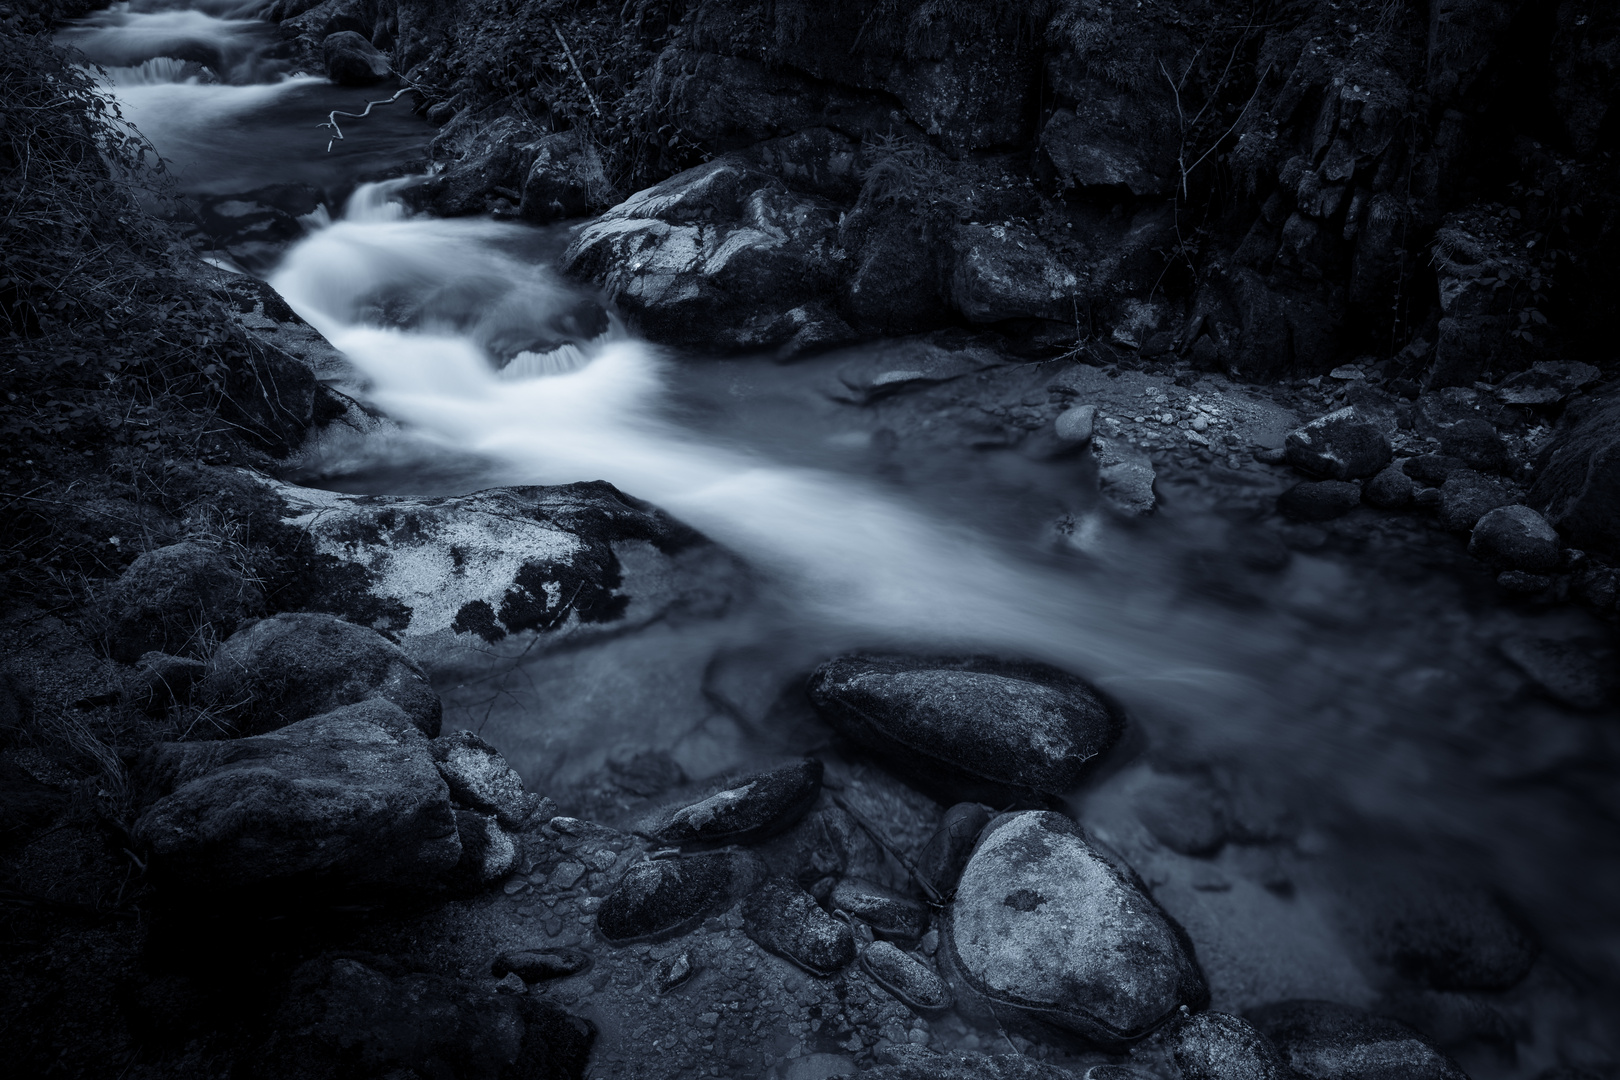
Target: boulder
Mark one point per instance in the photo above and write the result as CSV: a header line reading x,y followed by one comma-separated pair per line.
x,y
940,863
342,1020
566,179
351,60
1516,538
1219,1046
1475,443
1319,500
1321,1040
898,244
907,977
718,256
750,810
179,599
296,665
1001,273
1430,469
481,779
345,802
971,725
487,161
1343,445
1577,482
1043,924
664,897
1391,489
1113,137
782,918
1467,496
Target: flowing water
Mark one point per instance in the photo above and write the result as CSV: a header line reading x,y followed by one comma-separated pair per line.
x,y
1364,698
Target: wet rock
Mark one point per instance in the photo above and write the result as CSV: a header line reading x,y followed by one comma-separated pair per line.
x,y
566,180
292,666
1574,673
487,853
888,913
910,980
970,725
1124,475
1343,445
343,1019
480,778
665,896
1430,469
1547,383
483,162
719,256
940,863
1520,583
1321,1040
1391,489
1466,496
1445,933
1184,813
348,801
351,60
1000,274
178,599
1475,443
1516,538
1577,482
1319,500
890,367
675,970
161,680
538,965
782,918
1112,138
1218,1046
757,807
1044,924
909,1062
1074,425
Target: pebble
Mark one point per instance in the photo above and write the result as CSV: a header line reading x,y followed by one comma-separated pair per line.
x,y
674,970
910,980
889,914
1391,489
566,875
1074,426
511,984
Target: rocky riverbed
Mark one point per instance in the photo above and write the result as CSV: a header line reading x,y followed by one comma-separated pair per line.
x,y
912,540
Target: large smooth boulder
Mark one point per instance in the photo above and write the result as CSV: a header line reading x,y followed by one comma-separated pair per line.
x,y
976,727
1322,1040
296,665
178,599
347,802
343,1020
1578,475
1044,924
1344,445
719,256
351,60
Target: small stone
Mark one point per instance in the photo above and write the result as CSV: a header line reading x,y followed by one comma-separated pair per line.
x,y
674,970
1346,373
1343,445
1326,1041
940,863
907,978
1476,444
566,875
538,965
889,914
754,809
1516,538
1319,500
1572,673
1466,496
511,983
665,896
1391,489
782,918
1073,426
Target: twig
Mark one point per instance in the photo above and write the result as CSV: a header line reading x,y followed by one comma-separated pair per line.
x,y
595,108
331,117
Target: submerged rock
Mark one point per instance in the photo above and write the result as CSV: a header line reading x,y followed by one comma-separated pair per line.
x,y
1574,673
1516,538
784,919
889,914
344,802
178,599
1343,445
906,977
1321,1040
1319,500
751,810
971,726
665,896
296,665
351,60
1444,933
1042,923
1124,475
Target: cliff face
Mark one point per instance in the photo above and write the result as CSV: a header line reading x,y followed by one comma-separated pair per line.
x,y
1269,188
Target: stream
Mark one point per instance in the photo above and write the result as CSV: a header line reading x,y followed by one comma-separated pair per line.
x,y
1357,696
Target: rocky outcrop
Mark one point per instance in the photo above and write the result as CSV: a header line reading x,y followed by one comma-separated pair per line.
x,y
1043,924
968,725
289,667
340,804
